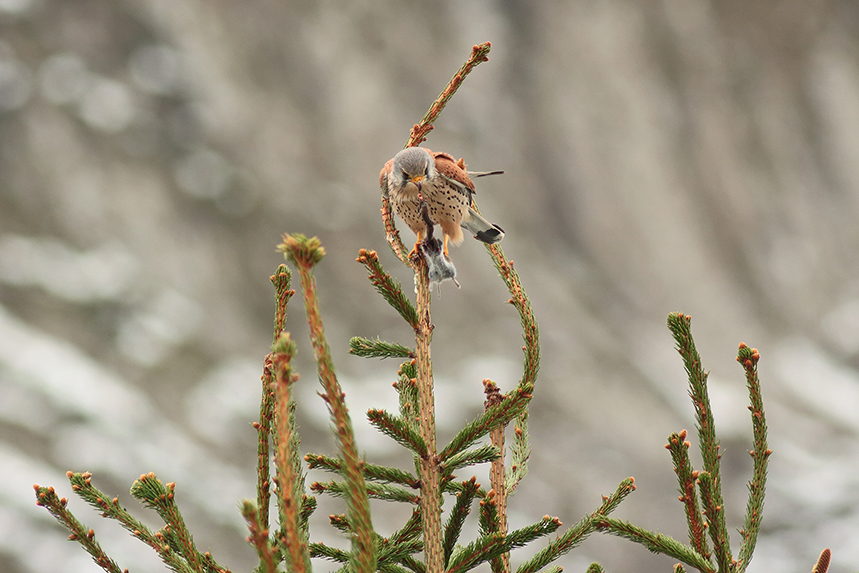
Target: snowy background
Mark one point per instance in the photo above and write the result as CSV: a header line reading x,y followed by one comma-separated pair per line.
x,y
660,156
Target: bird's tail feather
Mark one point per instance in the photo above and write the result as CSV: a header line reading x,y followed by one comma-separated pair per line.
x,y
482,229
483,173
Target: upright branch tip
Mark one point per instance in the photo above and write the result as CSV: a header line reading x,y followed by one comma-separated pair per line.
x,y
285,345
302,252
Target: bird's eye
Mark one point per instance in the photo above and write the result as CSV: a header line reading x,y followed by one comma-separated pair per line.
x,y
405,175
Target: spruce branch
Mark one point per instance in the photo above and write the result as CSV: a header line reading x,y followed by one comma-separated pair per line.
x,y
281,280
407,390
409,371
524,535
479,54
481,455
708,514
160,497
46,497
687,478
415,565
461,509
488,522
308,506
340,523
259,538
714,512
82,486
656,542
305,254
494,545
520,452
595,568
322,551
393,553
263,428
575,535
466,558
391,568
411,529
384,492
367,348
680,326
748,358
372,472
507,409
455,487
290,482
388,287
399,430
519,299
170,543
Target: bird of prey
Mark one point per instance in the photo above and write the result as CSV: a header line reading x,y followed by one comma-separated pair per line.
x,y
416,175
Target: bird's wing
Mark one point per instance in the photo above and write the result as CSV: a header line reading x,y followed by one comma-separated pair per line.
x,y
461,165
453,173
383,176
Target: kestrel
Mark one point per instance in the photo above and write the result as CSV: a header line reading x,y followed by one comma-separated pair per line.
x,y
416,174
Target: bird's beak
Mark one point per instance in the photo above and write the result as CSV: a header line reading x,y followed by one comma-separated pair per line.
x,y
418,181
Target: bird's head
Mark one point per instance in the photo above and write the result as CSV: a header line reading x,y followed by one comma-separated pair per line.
x,y
413,166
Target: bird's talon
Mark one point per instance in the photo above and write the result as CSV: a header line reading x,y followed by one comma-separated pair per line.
x,y
415,253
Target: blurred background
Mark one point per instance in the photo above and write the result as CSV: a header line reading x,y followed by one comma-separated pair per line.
x,y
662,156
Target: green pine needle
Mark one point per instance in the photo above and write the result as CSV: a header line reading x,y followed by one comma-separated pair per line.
x,y
575,535
394,553
520,452
372,472
530,329
47,497
388,287
680,326
367,348
479,551
679,449
461,509
494,545
409,401
391,568
657,543
308,506
281,280
399,430
383,492
323,551
748,358
511,406
411,529
480,455
715,513
488,520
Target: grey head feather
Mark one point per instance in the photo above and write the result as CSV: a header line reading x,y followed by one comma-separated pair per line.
x,y
412,162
